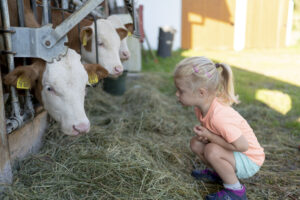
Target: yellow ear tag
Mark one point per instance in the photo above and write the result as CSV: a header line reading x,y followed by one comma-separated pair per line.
x,y
84,40
23,83
129,33
93,78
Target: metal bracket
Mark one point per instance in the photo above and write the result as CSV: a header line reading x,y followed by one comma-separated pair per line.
x,y
69,23
27,43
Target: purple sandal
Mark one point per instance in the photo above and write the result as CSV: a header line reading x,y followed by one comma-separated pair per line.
x,y
207,176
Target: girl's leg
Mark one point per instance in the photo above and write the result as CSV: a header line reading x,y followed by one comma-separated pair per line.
x,y
222,161
198,148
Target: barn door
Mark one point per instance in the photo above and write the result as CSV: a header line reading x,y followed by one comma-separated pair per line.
x,y
207,24
266,23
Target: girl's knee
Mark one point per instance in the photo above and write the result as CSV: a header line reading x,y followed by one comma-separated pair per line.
x,y
211,151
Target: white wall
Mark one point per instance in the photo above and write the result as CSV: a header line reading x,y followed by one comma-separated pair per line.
x,y
161,13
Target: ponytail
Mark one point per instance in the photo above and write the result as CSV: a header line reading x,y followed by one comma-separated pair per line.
x,y
226,92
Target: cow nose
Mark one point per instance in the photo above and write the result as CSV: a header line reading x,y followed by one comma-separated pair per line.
x,y
82,127
125,54
118,69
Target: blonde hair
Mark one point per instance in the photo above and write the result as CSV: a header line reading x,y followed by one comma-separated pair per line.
x,y
202,72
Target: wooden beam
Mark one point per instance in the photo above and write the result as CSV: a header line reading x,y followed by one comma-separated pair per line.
x,y
5,165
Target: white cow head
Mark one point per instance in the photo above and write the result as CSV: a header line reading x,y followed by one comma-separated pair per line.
x,y
109,41
60,87
124,51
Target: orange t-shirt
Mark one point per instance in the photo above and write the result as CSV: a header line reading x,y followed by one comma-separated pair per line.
x,y
224,121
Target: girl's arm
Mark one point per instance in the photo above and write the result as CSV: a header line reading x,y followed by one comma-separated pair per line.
x,y
241,144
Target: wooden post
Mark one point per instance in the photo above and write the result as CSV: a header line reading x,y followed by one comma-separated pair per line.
x,y
5,165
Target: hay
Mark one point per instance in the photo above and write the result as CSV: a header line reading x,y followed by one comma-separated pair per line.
x,y
137,149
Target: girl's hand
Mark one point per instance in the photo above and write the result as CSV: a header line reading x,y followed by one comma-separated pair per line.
x,y
202,133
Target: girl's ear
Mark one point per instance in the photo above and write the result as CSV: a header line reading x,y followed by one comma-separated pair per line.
x,y
202,92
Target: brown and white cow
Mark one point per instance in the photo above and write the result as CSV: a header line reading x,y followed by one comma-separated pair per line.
x,y
116,21
60,87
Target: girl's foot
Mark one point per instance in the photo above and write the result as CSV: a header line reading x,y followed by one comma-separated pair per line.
x,y
228,194
206,175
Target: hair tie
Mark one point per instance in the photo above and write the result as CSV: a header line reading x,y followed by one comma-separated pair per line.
x,y
208,74
218,65
195,69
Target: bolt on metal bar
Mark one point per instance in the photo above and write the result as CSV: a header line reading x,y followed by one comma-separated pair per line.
x,y
10,62
69,23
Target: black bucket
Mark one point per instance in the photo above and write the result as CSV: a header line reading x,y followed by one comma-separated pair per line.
x,y
115,86
165,43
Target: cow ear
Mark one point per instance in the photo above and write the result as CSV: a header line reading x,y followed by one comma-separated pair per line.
x,y
96,72
23,77
122,33
129,27
86,34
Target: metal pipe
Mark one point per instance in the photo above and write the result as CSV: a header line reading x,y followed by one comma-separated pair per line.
x,y
136,31
65,4
96,38
45,12
28,103
33,7
79,4
10,61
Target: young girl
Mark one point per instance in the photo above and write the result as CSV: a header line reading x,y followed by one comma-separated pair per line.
x,y
224,141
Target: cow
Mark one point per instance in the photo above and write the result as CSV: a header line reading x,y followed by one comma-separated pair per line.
x,y
59,86
109,41
124,51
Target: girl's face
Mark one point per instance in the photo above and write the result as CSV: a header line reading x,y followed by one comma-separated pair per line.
x,y
184,93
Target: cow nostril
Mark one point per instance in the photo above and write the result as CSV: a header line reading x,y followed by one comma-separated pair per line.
x,y
125,53
118,69
82,127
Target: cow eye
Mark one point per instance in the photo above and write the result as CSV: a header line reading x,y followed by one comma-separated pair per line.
x,y
50,89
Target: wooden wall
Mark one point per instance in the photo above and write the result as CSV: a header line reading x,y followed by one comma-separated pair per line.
x,y
207,24
266,23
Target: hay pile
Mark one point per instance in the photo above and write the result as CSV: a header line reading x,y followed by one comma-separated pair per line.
x,y
138,148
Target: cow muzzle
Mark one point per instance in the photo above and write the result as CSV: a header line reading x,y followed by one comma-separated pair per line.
x,y
81,128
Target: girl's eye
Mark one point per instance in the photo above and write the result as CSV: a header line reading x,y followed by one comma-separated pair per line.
x,y
100,43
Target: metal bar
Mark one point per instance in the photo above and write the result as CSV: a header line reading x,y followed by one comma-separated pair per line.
x,y
79,4
65,4
96,38
28,103
33,7
10,58
69,23
45,12
20,5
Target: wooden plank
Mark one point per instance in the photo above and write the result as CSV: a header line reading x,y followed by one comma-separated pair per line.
x,y
5,165
266,23
208,24
27,139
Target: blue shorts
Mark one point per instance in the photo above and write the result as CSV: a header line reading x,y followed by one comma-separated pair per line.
x,y
245,167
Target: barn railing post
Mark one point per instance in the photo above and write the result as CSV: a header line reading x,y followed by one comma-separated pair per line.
x,y
16,120
28,109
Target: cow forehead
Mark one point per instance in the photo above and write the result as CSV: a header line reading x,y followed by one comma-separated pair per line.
x,y
68,70
106,30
